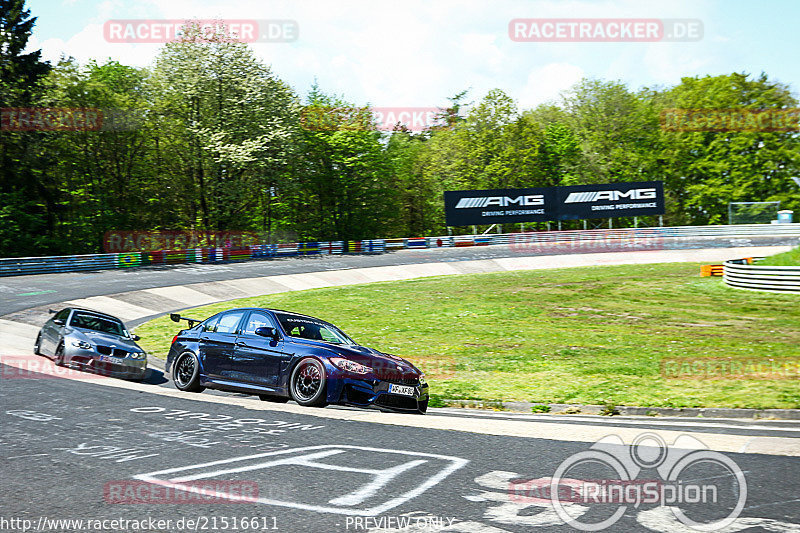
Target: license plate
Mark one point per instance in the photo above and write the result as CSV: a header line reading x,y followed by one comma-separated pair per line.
x,y
401,389
109,359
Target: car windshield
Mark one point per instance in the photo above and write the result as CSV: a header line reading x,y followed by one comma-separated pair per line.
x,y
310,328
98,323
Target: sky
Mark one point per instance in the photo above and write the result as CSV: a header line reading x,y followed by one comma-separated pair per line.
x,y
417,53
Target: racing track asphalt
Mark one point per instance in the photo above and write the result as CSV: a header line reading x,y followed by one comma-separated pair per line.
x,y
23,292
64,440
71,450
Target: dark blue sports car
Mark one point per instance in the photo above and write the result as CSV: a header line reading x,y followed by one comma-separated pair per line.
x,y
281,355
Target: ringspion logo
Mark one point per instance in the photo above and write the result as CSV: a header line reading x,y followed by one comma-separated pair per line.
x,y
698,488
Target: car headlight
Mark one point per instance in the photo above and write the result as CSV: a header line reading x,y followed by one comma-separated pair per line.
x,y
422,380
350,366
82,344
138,355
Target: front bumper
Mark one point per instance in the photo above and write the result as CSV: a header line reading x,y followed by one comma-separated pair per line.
x,y
118,367
375,393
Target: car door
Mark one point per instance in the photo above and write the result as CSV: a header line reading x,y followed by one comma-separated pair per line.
x,y
217,342
52,332
259,360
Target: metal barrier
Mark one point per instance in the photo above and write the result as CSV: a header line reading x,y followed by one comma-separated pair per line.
x,y
740,274
66,263
622,239
74,263
568,236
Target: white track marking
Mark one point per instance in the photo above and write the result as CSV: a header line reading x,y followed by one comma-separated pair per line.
x,y
301,282
663,520
340,505
615,422
112,306
185,295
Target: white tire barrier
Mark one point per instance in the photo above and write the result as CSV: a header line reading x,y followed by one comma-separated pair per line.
x,y
761,278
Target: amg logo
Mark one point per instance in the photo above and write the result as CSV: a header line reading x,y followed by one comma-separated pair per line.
x,y
500,201
612,196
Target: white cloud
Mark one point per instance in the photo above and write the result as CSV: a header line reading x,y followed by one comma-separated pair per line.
x,y
418,53
667,63
544,84
90,44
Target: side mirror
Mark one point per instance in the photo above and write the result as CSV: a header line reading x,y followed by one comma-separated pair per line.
x,y
135,338
264,331
59,321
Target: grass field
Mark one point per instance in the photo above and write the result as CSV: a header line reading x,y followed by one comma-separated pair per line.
x,y
594,335
790,258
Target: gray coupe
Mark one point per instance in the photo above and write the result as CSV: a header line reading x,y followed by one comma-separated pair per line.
x,y
90,340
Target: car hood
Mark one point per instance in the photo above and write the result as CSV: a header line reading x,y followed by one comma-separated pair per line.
x,y
385,366
105,339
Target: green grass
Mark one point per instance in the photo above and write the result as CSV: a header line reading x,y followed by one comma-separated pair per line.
x,y
790,258
593,335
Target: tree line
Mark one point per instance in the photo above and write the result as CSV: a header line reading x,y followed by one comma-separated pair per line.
x,y
210,138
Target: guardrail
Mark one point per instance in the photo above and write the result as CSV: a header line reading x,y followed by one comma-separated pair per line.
x,y
739,230
620,239
743,274
76,263
67,263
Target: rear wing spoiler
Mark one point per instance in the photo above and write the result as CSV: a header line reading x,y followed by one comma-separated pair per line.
x,y
176,317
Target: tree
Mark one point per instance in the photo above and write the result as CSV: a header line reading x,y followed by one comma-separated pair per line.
x,y
707,169
103,179
26,218
617,130
226,127
341,180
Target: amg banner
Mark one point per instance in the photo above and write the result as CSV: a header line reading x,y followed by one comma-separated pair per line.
x,y
499,206
463,208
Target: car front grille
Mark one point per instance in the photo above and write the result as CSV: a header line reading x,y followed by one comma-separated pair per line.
x,y
396,402
108,350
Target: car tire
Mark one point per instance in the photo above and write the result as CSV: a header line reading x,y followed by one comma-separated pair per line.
x,y
273,399
58,356
308,384
37,347
186,373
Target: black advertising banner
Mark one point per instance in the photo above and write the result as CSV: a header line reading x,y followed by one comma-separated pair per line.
x,y
627,199
498,206
540,204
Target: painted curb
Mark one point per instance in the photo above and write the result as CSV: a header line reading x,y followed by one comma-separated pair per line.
x,y
624,410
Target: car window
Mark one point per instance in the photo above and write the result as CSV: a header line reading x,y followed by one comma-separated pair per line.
x,y
257,319
311,328
61,315
327,335
210,325
228,322
97,323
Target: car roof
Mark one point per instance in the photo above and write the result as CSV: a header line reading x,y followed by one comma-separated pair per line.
x,y
271,310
